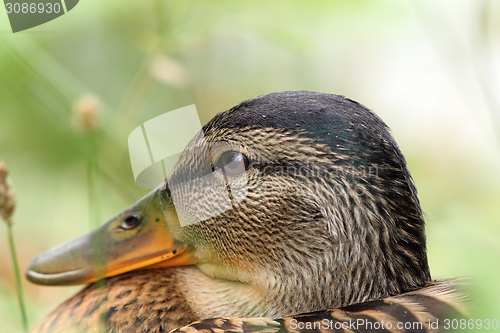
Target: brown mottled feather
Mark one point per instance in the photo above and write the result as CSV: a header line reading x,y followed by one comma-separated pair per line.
x,y
140,301
423,310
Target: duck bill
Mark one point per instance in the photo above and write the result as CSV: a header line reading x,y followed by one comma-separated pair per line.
x,y
137,238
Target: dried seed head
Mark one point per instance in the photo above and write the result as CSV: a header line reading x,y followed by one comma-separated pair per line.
x,y
3,170
86,113
7,200
168,71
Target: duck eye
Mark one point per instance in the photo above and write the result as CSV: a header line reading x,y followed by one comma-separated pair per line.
x,y
233,163
130,222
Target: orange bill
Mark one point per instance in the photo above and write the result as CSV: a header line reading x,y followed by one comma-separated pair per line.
x,y
137,238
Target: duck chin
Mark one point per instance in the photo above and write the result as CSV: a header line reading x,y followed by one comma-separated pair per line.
x,y
212,297
258,294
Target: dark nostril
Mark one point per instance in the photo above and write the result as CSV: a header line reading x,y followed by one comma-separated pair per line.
x,y
130,222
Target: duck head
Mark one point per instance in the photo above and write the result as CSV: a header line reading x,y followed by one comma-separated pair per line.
x,y
322,210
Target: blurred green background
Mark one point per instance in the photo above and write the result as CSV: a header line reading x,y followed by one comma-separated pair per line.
x,y
429,68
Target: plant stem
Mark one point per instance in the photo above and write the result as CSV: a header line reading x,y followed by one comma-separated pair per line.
x,y
94,202
93,182
95,219
17,273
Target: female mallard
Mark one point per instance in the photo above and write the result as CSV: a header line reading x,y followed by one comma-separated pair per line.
x,y
323,215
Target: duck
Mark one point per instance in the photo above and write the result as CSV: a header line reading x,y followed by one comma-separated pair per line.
x,y
293,211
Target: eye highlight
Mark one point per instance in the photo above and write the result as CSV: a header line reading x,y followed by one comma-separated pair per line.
x,y
130,222
233,163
